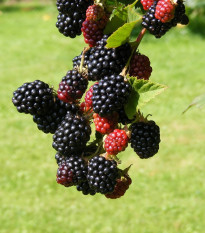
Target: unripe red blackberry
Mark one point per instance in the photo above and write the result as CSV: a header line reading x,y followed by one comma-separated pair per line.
x,y
121,187
116,142
102,61
102,174
110,94
49,123
95,13
88,97
70,24
71,171
165,10
72,135
107,124
85,188
34,98
72,86
145,138
147,4
140,66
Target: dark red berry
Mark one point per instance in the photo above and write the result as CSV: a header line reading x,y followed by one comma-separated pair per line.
x,y
116,142
120,188
140,66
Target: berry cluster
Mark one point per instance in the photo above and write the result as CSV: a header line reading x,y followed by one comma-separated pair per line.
x,y
92,165
162,16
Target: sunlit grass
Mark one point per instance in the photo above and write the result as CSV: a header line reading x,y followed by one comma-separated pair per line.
x,y
167,194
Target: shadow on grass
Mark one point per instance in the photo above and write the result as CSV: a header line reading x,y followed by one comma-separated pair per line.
x,y
24,8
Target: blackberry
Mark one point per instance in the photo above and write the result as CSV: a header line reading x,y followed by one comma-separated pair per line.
x,y
165,10
140,66
147,4
72,135
105,125
70,6
110,94
49,123
102,174
70,24
72,86
116,142
121,187
59,158
85,188
155,26
92,32
184,20
102,61
71,171
34,98
145,138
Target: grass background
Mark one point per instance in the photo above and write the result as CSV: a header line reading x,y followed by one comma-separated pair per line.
x,y
167,194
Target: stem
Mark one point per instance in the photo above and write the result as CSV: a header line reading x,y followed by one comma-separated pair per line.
x,y
136,45
82,59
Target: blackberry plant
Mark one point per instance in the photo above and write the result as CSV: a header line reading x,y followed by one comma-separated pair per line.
x,y
113,104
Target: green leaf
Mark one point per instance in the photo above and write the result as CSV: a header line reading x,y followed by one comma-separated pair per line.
x,y
120,36
198,102
117,19
143,91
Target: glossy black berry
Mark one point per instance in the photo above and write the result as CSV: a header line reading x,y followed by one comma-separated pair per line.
x,y
145,138
70,6
72,135
70,24
85,188
72,86
49,123
110,94
71,171
34,98
102,174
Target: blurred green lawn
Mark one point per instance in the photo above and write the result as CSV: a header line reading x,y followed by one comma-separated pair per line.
x,y
167,194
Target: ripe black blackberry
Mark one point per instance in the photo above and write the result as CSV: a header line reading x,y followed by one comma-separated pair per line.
x,y
110,94
49,123
85,188
103,61
102,174
70,24
70,6
71,171
72,135
34,98
72,86
145,138
155,26
59,158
